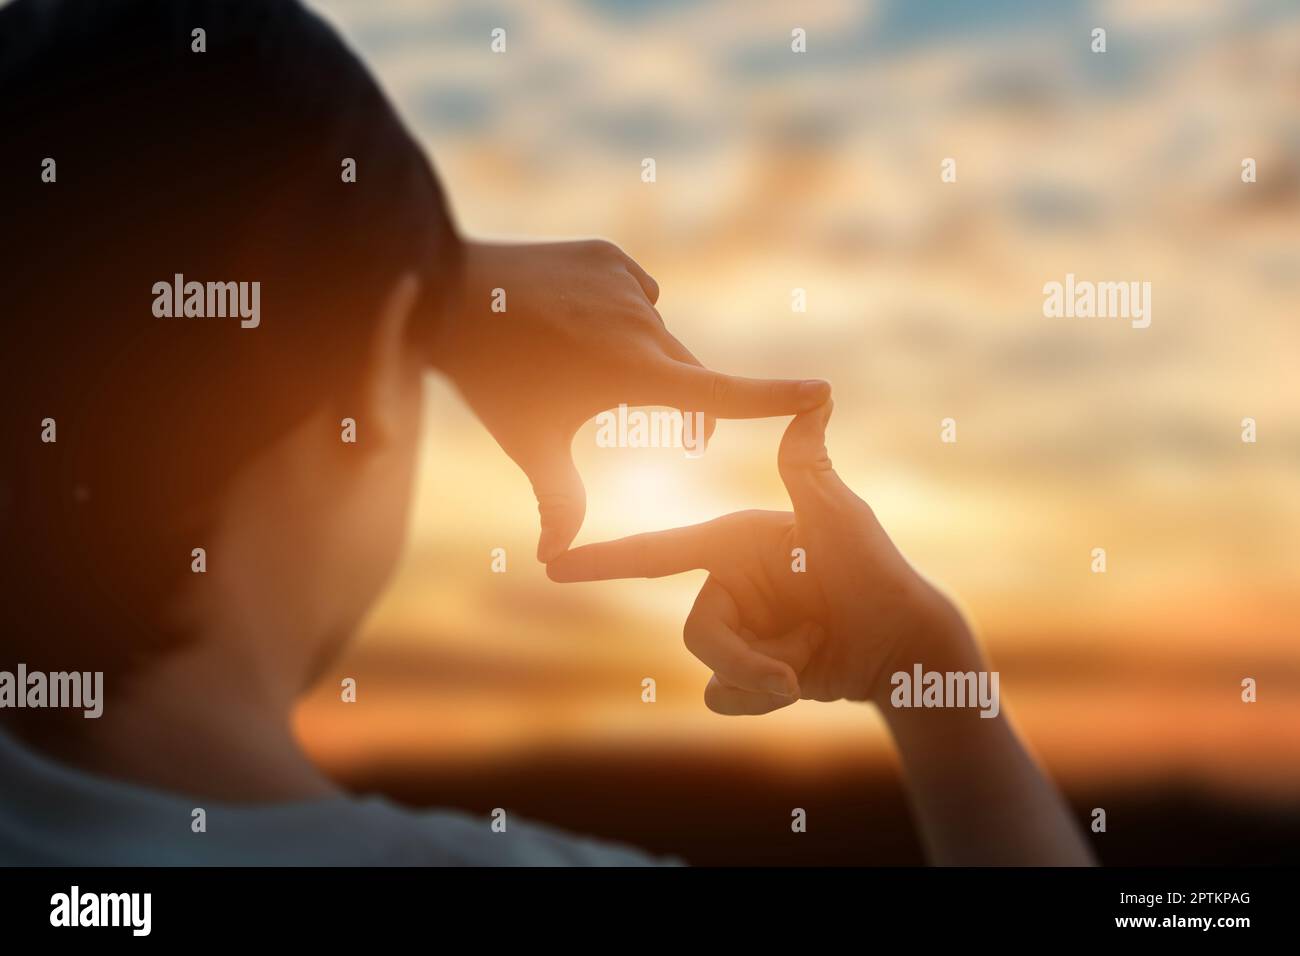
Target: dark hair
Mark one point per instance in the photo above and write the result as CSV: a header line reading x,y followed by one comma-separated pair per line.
x,y
223,165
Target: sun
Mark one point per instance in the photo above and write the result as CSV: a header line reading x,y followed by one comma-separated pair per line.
x,y
642,489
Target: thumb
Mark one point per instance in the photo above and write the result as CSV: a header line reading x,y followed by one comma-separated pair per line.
x,y
806,467
561,499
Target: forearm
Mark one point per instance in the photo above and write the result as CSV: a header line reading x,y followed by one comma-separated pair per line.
x,y
979,797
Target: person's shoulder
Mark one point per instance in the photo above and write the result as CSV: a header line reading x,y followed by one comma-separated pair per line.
x,y
455,838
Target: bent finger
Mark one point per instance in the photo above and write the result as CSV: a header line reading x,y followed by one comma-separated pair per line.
x,y
722,698
712,634
796,647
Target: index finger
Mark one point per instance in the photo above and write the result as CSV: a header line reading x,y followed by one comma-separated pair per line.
x,y
730,396
653,554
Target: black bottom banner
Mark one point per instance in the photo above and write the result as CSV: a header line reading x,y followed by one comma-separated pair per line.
x,y
613,907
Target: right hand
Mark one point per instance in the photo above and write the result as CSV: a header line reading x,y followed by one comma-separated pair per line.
x,y
770,633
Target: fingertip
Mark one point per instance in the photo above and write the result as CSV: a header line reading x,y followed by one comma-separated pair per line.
x,y
561,516
734,702
782,683
813,392
550,546
571,566
804,442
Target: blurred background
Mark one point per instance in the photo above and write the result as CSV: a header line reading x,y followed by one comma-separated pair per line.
x,y
821,171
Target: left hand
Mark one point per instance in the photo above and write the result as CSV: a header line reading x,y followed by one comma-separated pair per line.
x,y
579,334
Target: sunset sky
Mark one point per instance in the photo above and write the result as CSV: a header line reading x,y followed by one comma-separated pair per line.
x,y
821,171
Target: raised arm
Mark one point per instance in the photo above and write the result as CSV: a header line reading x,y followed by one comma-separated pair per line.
x,y
819,604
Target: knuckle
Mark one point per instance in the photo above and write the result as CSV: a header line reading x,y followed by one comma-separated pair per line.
x,y
557,506
645,317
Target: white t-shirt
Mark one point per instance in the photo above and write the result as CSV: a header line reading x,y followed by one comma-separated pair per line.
x,y
53,814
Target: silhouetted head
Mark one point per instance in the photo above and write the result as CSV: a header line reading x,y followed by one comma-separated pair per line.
x,y
131,158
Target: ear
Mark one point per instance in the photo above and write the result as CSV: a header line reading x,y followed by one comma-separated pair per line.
x,y
391,362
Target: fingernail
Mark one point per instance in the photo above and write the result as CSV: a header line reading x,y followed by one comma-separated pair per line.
x,y
776,684
814,390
